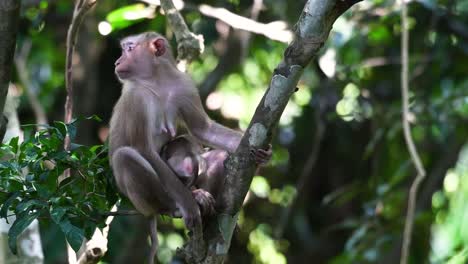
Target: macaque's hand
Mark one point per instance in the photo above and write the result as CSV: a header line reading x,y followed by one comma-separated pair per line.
x,y
261,156
205,200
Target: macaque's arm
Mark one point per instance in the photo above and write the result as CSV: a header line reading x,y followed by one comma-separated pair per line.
x,y
205,129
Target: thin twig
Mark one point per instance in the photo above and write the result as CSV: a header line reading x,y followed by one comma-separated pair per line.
x,y
121,213
409,140
79,12
81,8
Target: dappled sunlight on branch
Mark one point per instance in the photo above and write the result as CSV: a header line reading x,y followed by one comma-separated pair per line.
x,y
276,30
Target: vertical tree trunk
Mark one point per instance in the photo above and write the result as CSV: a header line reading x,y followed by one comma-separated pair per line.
x,y
9,16
30,247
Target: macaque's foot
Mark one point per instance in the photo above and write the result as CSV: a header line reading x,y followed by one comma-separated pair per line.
x,y
262,156
192,218
205,200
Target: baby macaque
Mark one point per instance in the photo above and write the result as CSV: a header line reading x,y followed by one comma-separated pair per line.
x,y
184,156
155,97
201,169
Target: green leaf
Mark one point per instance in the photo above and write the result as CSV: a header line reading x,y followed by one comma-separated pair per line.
x,y
15,184
378,34
94,117
14,144
21,223
71,128
57,213
81,118
127,15
74,146
73,234
26,205
66,182
62,128
3,197
95,148
12,165
48,181
7,204
43,191
89,229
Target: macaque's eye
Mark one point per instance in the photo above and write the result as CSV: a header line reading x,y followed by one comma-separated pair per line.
x,y
128,47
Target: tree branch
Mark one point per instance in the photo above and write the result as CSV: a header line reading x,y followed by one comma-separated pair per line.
x,y
79,12
81,8
9,17
121,213
236,44
276,30
409,140
311,31
189,45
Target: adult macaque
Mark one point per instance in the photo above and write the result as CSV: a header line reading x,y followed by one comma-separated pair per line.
x,y
156,96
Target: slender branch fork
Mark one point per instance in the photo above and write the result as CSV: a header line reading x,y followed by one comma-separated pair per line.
x,y
421,173
81,8
79,12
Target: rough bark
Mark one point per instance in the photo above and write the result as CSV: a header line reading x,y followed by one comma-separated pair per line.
x,y
9,15
311,31
189,46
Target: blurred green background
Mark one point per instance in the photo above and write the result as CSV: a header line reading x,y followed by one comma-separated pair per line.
x,y
336,189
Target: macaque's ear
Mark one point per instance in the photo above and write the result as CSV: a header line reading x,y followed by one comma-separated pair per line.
x,y
158,46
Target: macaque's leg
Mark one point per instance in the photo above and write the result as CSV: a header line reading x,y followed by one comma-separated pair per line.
x,y
139,182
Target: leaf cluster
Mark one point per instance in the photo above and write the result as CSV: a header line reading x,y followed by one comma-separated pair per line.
x,y
33,185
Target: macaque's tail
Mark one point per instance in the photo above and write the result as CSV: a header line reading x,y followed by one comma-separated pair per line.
x,y
154,239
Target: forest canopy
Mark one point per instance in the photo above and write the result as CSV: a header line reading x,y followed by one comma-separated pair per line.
x,y
338,185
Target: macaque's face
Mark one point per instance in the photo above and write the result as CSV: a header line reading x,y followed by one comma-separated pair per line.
x,y
139,57
128,64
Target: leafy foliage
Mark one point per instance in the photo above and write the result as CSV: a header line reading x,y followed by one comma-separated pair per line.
x,y
32,184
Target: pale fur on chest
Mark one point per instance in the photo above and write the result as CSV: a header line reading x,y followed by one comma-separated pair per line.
x,y
141,113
